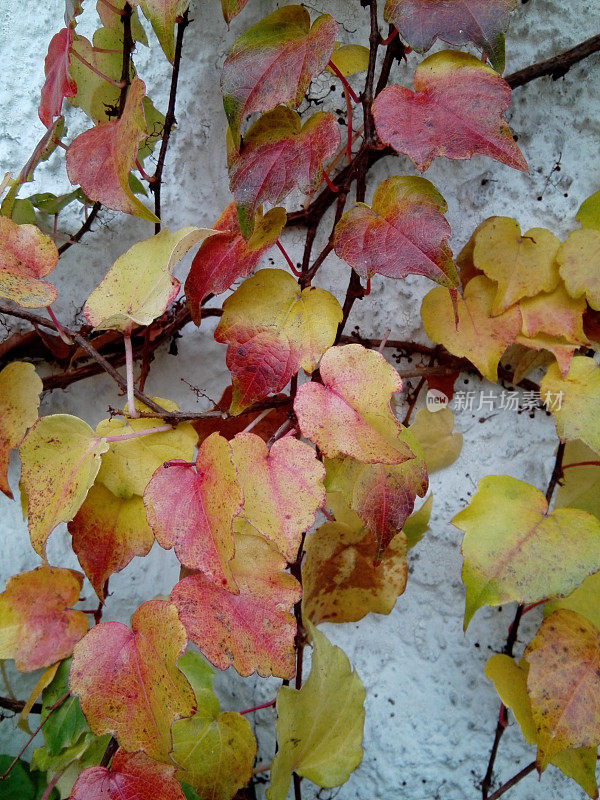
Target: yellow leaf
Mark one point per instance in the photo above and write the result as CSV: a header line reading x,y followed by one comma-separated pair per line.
x,y
579,264
140,285
434,432
579,486
20,389
320,726
585,600
60,459
349,58
521,265
575,400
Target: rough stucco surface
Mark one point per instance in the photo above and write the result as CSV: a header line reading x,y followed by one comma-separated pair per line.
x,y
430,711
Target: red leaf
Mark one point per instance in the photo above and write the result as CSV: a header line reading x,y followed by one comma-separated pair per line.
x,y
456,111
224,258
132,776
279,154
59,83
231,425
404,233
253,630
100,159
273,62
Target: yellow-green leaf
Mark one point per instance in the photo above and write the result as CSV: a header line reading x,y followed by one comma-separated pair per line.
x,y
434,430
20,389
320,726
60,459
588,215
580,485
575,400
163,14
515,550
585,600
510,681
349,58
140,285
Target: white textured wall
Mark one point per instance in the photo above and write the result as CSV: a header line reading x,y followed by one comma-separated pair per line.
x,y
430,711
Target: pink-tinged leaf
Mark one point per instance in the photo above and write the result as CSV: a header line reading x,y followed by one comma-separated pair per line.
x,y
59,83
192,509
274,61
457,22
26,255
382,495
350,414
279,154
100,159
127,680
37,625
456,111
403,233
231,8
283,488
225,257
253,630
230,426
108,531
132,776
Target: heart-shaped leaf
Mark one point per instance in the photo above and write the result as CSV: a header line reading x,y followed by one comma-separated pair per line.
x,y
514,549
456,111
575,400
349,413
37,625
162,15
224,258
26,256
140,284
403,233
279,154
274,61
127,681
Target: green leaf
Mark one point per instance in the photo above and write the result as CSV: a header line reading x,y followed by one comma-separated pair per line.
x,y
579,486
162,14
515,550
21,784
320,726
66,724
588,215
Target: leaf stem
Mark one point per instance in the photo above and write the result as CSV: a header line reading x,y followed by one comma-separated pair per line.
x,y
58,327
343,80
256,420
95,70
52,783
388,39
290,263
514,780
132,410
582,464
137,434
270,704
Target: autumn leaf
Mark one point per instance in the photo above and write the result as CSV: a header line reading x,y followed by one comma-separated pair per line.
x,y
507,530
456,22
382,495
521,265
26,256
224,258
434,430
20,389
282,488
510,681
479,336
59,83
253,631
349,413
64,724
579,486
456,111
214,751
564,684
230,426
37,625
100,159
231,8
553,322
274,61
349,59
192,509
131,775
320,726
60,458
70,761
588,215
341,581
577,415
279,154
128,465
272,328
162,15
585,600
140,284
127,680
108,531
579,265
403,233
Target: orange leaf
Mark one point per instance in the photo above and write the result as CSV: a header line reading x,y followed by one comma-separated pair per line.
x,y
26,255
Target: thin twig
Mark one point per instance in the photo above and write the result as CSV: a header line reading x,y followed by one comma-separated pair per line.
x,y
557,66
514,780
